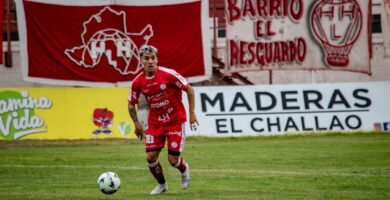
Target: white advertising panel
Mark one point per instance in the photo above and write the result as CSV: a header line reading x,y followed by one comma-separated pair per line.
x,y
282,109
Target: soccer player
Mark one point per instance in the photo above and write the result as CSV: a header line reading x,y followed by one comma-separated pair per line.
x,y
162,88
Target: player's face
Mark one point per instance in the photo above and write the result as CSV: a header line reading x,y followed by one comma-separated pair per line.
x,y
149,61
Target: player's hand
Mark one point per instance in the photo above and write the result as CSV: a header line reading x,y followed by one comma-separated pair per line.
x,y
139,131
193,122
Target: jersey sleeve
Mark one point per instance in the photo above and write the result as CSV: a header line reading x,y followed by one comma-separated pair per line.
x,y
178,80
134,93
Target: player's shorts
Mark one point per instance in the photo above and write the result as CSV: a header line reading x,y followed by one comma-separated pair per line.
x,y
175,135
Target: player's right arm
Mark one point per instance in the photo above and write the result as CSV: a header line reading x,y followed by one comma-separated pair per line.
x,y
139,131
132,102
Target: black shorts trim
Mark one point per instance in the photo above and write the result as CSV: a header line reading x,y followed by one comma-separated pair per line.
x,y
173,153
151,150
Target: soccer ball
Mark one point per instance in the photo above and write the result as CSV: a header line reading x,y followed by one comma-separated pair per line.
x,y
109,182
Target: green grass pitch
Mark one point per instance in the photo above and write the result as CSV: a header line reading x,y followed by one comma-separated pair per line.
x,y
314,166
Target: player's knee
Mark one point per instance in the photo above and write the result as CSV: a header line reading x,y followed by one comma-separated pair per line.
x,y
173,160
151,157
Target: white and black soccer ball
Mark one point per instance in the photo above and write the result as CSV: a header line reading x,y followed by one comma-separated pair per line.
x,y
109,182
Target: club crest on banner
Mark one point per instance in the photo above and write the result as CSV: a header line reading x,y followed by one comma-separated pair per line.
x,y
336,25
105,43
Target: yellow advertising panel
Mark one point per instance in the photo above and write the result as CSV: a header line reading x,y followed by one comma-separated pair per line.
x,y
64,113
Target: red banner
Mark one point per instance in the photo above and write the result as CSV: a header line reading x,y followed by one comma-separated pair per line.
x,y
94,44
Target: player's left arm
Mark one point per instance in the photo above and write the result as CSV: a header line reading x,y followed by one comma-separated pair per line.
x,y
191,103
182,83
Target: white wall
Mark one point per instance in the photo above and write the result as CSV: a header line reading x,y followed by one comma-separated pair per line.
x,y
12,77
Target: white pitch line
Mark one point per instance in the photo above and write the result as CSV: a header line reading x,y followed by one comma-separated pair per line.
x,y
298,173
230,171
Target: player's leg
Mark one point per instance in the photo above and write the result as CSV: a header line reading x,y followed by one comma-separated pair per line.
x,y
178,162
154,144
176,140
155,166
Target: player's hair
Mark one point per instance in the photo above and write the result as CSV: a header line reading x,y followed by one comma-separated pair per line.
x,y
147,48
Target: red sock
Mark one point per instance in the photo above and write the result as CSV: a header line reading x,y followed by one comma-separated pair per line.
x,y
157,171
181,165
